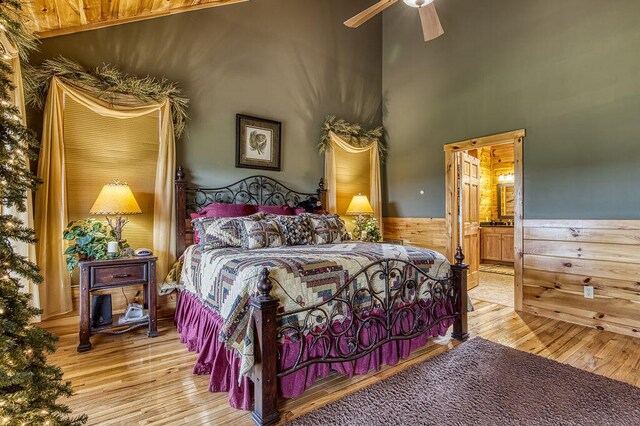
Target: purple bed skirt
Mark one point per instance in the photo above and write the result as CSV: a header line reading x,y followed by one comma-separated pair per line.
x,y
199,327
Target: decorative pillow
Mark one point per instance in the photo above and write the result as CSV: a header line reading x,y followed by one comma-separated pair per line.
x,y
227,210
261,234
279,210
221,210
296,229
300,210
327,229
220,232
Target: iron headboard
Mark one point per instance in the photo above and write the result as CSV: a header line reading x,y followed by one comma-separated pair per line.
x,y
255,190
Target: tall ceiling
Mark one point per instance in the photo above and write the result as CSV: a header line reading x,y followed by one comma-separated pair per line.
x,y
58,17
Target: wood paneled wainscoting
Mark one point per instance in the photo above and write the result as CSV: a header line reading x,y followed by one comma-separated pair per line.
x,y
563,256
429,233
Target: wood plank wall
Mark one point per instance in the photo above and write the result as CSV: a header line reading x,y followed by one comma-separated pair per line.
x,y
494,161
486,190
421,232
501,164
562,256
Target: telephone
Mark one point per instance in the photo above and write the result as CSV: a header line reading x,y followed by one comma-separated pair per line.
x,y
134,313
141,252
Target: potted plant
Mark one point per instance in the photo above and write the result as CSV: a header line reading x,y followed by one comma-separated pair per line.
x,y
371,231
88,240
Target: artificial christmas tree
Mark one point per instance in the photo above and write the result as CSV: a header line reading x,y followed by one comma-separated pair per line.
x,y
29,387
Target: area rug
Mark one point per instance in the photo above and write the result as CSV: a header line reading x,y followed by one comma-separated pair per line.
x,y
494,288
484,383
497,269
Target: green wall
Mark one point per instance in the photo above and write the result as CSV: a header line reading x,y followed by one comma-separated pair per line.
x,y
288,60
566,70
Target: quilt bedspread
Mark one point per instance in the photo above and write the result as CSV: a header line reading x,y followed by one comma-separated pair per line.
x,y
224,279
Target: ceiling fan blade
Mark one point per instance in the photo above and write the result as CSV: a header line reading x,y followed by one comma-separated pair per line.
x,y
431,27
369,13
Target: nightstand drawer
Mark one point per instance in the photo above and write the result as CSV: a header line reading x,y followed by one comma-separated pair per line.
x,y
106,276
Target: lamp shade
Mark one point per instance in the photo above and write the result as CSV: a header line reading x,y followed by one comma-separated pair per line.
x,y
359,206
115,199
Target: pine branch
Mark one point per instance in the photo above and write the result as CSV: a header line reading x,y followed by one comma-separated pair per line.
x,y
357,136
108,84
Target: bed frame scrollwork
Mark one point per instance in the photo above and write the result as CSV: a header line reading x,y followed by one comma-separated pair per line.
x,y
410,303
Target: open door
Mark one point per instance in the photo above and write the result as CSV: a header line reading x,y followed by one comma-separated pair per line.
x,y
471,216
456,153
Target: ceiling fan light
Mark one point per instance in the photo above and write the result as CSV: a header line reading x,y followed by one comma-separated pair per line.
x,y
417,3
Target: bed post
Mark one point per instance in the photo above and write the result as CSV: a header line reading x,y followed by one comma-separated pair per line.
x,y
264,376
181,211
322,194
459,271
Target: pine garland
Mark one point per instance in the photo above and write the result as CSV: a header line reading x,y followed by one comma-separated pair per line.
x,y
107,83
358,137
29,387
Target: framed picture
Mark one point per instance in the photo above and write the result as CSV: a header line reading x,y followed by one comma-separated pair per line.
x,y
258,143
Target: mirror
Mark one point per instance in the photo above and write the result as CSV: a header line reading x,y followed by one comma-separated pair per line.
x,y
506,200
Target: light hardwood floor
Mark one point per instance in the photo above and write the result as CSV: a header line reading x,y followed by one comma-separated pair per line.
x,y
133,380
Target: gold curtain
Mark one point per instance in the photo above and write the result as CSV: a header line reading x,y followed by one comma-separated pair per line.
x,y
107,149
51,199
370,149
17,96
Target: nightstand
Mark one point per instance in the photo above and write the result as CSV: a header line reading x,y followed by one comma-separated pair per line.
x,y
115,274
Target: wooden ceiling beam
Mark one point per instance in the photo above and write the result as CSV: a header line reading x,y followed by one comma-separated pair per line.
x,y
60,17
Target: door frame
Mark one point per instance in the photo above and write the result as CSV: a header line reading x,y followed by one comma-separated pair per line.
x,y
517,138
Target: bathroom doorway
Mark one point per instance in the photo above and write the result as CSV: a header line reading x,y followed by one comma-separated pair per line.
x,y
490,180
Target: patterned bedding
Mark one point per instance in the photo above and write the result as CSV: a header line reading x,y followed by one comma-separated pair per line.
x,y
224,279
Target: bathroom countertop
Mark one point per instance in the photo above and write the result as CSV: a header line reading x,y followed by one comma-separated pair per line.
x,y
495,225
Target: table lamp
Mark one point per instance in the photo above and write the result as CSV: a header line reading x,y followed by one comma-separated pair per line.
x,y
116,199
359,207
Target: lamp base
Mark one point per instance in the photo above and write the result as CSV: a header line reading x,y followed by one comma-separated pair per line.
x,y
359,231
117,226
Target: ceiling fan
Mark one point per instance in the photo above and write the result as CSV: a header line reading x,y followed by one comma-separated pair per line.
x,y
431,27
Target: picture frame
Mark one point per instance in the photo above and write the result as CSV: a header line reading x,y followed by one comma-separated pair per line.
x,y
258,143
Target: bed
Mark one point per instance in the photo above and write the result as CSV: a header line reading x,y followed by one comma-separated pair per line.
x,y
268,322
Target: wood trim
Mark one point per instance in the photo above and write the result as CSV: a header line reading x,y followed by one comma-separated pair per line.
x,y
109,22
517,138
518,220
451,193
485,141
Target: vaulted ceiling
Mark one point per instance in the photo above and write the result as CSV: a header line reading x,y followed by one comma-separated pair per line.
x,y
58,17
